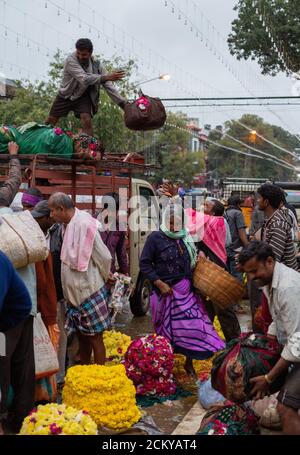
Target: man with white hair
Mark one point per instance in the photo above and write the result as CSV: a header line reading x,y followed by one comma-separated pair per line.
x,y
85,268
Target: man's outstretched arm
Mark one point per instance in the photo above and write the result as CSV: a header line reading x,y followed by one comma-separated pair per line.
x,y
12,184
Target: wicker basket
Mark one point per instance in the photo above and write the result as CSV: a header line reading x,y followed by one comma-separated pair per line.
x,y
217,284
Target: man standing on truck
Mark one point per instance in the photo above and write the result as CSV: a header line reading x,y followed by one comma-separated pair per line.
x,y
80,87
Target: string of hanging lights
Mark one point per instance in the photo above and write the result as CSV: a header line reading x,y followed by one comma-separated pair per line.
x,y
277,44
267,158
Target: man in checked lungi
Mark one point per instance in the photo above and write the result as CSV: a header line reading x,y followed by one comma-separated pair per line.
x,y
85,267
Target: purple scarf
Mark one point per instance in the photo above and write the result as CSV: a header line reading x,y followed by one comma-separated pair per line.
x,y
30,199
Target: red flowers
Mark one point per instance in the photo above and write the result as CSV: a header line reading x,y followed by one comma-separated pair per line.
x,y
54,429
149,364
58,131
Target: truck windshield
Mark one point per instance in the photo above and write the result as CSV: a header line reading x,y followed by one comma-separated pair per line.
x,y
293,198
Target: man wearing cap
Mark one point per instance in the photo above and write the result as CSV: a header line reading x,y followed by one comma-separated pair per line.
x,y
79,90
53,233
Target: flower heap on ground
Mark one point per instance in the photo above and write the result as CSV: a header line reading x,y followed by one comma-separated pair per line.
x,y
149,362
202,367
105,392
116,344
58,419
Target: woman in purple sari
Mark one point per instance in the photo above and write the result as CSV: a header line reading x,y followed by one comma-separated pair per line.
x,y
178,314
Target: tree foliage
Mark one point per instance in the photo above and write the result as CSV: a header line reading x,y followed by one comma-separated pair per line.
x,y
249,39
178,163
232,164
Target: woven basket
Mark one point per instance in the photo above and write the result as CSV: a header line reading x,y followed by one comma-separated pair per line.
x,y
217,284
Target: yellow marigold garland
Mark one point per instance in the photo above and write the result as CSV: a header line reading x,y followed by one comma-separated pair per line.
x,y
116,345
105,392
55,419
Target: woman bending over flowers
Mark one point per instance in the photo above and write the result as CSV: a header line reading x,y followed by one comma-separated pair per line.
x,y
178,314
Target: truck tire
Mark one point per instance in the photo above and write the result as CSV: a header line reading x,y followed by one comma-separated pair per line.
x,y
140,301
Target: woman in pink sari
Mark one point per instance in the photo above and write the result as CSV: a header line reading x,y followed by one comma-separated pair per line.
x,y
211,237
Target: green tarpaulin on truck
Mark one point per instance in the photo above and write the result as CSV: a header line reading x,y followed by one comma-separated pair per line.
x,y
34,139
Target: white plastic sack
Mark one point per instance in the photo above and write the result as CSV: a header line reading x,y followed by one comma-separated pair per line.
x,y
120,294
22,239
45,356
207,395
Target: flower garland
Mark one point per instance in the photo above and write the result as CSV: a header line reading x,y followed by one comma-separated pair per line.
x,y
58,419
105,392
116,345
149,362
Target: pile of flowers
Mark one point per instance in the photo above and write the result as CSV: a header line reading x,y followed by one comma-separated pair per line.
x,y
105,392
149,362
116,345
58,419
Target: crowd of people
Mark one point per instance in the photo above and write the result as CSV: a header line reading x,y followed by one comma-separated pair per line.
x,y
72,286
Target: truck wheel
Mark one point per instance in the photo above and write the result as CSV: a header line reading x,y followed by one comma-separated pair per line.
x,y
140,302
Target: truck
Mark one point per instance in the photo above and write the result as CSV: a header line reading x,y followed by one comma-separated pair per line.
x,y
86,183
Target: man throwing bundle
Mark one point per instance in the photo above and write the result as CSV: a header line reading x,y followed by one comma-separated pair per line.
x,y
80,87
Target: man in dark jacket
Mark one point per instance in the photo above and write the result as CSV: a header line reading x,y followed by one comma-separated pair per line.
x,y
237,226
17,366
79,90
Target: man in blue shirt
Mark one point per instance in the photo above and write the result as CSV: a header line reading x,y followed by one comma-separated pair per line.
x,y
17,366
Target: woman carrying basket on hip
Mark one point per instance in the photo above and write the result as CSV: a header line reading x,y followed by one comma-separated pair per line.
x,y
178,314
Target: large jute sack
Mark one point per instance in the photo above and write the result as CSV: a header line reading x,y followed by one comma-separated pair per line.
x,y
22,239
244,358
144,114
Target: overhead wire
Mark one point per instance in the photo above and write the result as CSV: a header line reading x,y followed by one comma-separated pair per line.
x,y
267,140
269,158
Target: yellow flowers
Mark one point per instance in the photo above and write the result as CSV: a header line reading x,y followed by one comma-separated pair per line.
x,y
201,366
116,345
54,419
105,392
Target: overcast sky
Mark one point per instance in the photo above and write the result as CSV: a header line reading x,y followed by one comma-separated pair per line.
x,y
161,41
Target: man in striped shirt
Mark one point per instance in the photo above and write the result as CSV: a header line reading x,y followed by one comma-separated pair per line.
x,y
277,229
